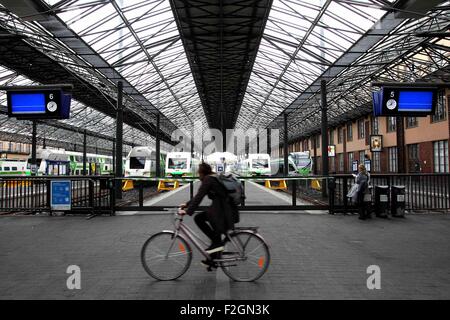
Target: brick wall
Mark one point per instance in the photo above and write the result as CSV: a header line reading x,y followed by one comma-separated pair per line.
x,y
384,160
426,156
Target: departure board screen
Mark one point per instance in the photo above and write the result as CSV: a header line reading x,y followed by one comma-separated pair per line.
x,y
27,103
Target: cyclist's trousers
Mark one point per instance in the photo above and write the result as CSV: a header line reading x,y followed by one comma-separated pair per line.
x,y
202,222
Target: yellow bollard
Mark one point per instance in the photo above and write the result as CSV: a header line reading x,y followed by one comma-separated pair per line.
x,y
128,185
168,185
315,184
276,184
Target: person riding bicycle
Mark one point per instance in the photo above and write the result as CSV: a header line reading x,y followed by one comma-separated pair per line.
x,y
220,214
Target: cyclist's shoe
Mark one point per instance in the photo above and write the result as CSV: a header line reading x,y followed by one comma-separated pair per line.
x,y
209,264
215,247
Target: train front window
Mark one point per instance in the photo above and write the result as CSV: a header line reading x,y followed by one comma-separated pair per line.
x,y
302,162
137,162
260,163
178,163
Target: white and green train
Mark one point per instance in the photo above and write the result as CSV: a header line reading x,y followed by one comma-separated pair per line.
x,y
61,162
303,162
256,164
141,163
96,164
277,167
181,164
10,167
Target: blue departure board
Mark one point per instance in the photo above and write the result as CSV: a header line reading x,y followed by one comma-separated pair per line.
x,y
27,103
415,101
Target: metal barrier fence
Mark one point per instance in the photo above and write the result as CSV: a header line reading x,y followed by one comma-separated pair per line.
x,y
89,194
292,182
423,192
95,194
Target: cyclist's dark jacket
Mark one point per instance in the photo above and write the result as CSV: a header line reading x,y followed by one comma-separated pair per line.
x,y
220,213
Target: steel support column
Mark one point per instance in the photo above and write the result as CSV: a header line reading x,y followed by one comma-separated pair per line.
x,y
84,152
314,141
119,141
192,143
113,155
285,146
401,152
33,143
257,142
324,132
158,147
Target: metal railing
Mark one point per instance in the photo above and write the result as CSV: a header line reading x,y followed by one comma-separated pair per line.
x,y
292,182
89,194
95,194
423,192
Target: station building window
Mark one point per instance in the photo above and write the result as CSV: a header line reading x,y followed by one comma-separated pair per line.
x,y
440,156
411,122
361,129
375,125
340,134
376,162
350,161
341,162
316,142
306,145
392,159
413,158
349,132
362,156
441,110
391,124
331,137
332,164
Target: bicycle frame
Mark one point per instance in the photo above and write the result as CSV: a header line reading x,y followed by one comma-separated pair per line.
x,y
191,236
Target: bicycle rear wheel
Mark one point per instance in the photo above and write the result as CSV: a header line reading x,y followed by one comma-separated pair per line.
x,y
166,257
255,260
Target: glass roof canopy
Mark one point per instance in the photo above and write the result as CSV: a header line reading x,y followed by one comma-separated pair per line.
x,y
140,40
302,42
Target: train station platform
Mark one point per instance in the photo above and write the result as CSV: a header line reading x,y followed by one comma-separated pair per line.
x,y
312,257
256,195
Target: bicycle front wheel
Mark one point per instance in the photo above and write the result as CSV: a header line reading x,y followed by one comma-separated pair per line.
x,y
165,256
252,264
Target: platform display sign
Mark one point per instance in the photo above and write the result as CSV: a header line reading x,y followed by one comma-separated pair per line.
x,y
355,165
376,143
61,195
367,164
38,104
404,101
332,150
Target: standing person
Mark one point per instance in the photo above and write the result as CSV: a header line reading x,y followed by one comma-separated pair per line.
x,y
362,180
218,218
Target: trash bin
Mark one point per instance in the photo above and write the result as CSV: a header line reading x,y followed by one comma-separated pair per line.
x,y
381,201
398,201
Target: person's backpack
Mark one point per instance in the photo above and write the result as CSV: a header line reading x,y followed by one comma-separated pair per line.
x,y
233,187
